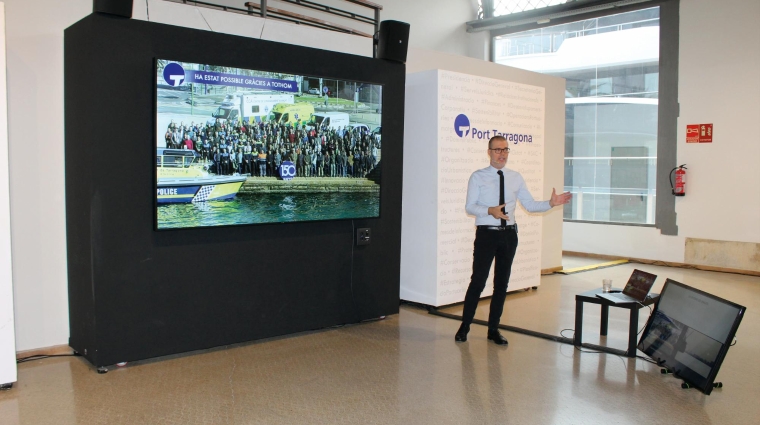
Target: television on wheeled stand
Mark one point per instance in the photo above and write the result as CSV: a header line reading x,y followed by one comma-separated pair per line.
x,y
689,333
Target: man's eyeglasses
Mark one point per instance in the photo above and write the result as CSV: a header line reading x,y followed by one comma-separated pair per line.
x,y
499,150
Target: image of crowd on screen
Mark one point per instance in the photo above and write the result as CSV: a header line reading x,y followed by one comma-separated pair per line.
x,y
258,149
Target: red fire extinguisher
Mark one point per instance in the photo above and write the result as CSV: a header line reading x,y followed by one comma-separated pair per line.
x,y
680,187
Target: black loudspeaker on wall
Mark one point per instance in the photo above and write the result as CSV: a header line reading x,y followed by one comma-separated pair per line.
x,y
393,40
113,7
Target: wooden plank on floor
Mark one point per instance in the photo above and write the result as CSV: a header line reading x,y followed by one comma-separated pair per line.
x,y
592,267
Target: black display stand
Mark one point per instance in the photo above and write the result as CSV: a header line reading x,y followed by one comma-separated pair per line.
x,y
685,385
137,293
591,297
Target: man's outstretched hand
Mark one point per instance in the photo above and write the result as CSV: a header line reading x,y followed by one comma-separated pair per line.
x,y
560,199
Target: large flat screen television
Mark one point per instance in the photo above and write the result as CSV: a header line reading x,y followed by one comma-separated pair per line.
x,y
689,333
241,146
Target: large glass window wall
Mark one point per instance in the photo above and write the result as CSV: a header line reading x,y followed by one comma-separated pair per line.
x,y
611,68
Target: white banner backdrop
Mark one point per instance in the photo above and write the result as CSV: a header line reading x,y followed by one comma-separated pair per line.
x,y
470,110
7,328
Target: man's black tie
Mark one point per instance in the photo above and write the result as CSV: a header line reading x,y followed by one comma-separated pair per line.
x,y
501,195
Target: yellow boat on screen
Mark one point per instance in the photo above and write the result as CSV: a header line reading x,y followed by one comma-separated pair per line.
x,y
180,178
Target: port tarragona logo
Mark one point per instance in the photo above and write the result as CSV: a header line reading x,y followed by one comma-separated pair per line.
x,y
174,74
463,128
462,125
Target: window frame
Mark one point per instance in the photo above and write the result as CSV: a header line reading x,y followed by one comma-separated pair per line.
x,y
668,108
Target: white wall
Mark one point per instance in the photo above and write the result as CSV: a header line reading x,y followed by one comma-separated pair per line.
x,y
439,25
434,24
34,36
419,254
217,20
718,83
7,328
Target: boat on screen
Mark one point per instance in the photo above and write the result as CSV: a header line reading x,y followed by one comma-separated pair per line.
x,y
181,178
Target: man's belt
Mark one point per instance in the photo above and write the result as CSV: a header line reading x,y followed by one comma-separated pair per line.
x,y
499,228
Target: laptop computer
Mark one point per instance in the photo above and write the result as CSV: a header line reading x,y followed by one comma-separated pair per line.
x,y
635,291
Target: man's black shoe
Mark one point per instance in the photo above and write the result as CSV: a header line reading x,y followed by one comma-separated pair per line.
x,y
461,335
496,337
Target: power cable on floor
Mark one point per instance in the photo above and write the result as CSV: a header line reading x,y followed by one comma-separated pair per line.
x,y
603,352
44,356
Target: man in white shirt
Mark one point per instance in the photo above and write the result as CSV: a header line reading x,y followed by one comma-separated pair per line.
x,y
496,234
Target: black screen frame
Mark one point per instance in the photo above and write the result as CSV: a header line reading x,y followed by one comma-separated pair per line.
x,y
282,69
682,371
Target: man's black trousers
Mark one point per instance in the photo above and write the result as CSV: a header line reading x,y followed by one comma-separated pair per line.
x,y
490,244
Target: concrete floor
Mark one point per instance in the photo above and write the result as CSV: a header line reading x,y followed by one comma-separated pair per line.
x,y
407,369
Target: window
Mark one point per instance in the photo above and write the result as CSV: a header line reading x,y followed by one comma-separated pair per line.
x,y
506,7
611,67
